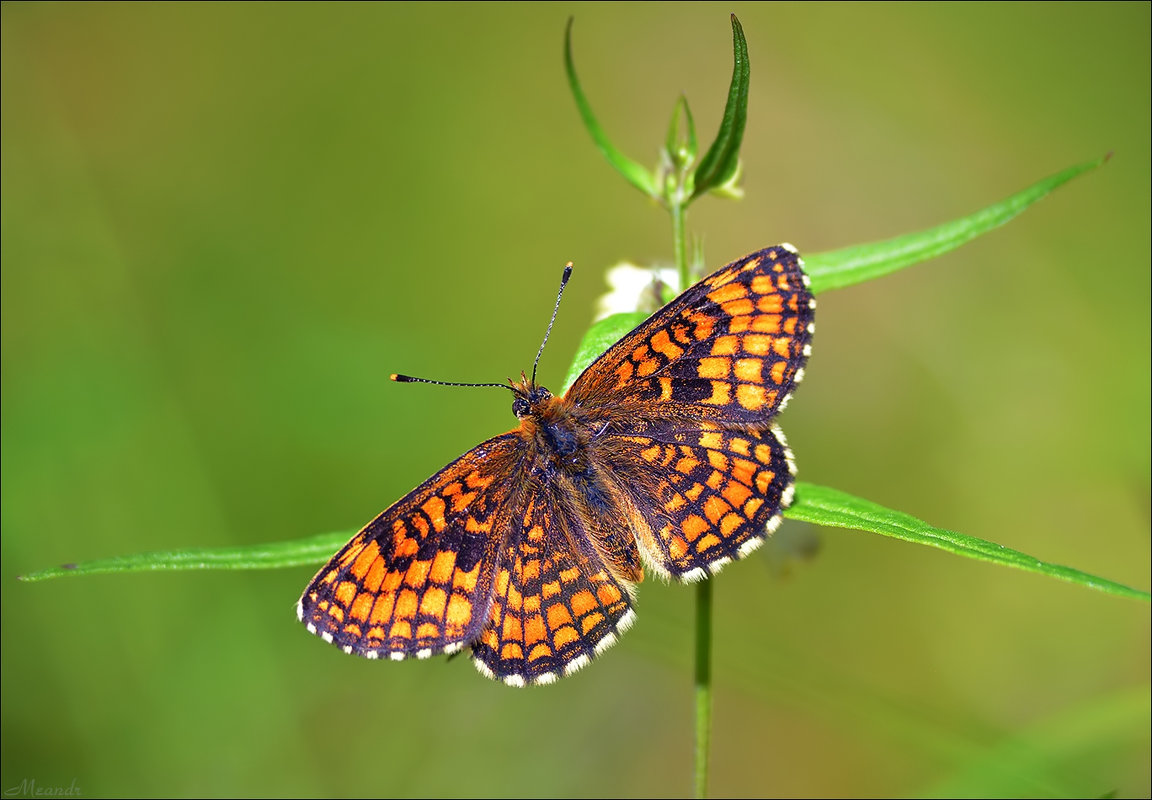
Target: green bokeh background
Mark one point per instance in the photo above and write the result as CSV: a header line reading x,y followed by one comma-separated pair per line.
x,y
225,225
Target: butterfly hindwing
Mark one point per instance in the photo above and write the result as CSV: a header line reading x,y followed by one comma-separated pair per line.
x,y
556,604
714,495
417,580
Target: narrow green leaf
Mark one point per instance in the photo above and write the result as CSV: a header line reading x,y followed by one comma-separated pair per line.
x,y
311,550
824,506
632,172
723,157
602,335
841,268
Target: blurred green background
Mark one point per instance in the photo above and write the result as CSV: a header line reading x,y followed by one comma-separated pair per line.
x,y
225,225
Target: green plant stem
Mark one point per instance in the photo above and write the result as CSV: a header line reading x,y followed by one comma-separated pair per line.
x,y
679,244
703,684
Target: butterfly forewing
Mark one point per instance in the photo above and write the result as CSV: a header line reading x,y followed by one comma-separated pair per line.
x,y
417,580
729,351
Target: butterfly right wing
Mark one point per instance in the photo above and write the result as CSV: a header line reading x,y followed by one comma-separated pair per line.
x,y
729,351
418,579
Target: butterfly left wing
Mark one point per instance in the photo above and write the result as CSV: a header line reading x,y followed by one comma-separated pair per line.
x,y
418,579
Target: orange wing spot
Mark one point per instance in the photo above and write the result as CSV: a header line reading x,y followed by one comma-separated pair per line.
x,y
530,570
727,293
752,506
467,580
538,652
711,439
336,613
417,574
515,600
694,492
374,635
570,574
550,589
721,394
740,324
714,508
739,446
443,565
730,524
624,373
433,602
665,389
790,326
582,602
406,604
764,480
745,471
778,371
428,630
434,508
664,345
511,652
489,637
750,396
715,480
501,582
736,493
641,353
405,546
739,308
714,368
330,577
353,629
675,504
590,621
558,616
534,630
532,603
770,304
782,346
766,323
706,543
400,629
686,464
652,454
473,525
748,370
375,576
647,367
757,344
763,284
361,606
512,629
459,612
763,453
421,525
608,594
462,501
677,547
726,346
693,526
382,611
564,636
345,592
535,534
364,560
718,460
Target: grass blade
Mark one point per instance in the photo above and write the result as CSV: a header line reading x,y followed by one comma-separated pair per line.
x,y
860,263
833,508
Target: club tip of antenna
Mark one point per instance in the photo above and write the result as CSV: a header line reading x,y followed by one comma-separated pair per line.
x,y
399,378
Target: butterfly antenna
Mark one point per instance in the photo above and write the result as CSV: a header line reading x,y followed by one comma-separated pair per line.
x,y
409,379
563,282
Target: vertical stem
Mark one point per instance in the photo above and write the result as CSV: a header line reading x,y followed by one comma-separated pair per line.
x,y
703,684
703,678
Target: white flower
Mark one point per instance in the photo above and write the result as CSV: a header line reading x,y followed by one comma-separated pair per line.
x,y
634,288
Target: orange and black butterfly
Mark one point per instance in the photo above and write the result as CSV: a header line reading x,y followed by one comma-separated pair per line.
x,y
662,456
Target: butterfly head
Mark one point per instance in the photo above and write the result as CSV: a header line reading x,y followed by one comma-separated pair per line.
x,y
528,397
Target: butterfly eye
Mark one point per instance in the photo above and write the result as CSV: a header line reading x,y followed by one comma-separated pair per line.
x,y
520,407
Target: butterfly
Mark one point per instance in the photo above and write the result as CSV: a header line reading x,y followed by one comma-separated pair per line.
x,y
662,456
